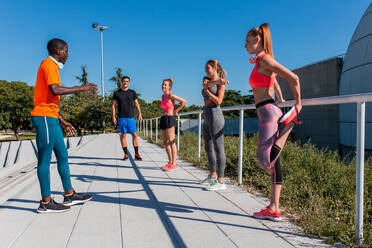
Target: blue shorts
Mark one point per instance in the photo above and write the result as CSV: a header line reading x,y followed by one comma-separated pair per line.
x,y
127,125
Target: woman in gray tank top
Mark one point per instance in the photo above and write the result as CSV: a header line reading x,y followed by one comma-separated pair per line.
x,y
213,92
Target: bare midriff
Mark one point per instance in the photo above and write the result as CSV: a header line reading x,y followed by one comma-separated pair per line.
x,y
209,103
168,112
263,94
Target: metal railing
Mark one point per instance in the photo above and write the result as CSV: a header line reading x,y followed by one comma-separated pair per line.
x,y
359,99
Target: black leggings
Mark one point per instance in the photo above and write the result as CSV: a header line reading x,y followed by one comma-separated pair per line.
x,y
276,176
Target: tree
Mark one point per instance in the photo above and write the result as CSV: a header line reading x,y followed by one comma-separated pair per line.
x,y
84,75
96,112
233,97
118,77
72,108
87,111
16,103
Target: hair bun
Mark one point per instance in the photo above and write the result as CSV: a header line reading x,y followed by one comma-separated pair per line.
x,y
171,80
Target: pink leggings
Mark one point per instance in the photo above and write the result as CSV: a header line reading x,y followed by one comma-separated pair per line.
x,y
268,115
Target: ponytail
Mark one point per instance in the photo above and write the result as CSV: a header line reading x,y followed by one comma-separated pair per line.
x,y
266,39
264,32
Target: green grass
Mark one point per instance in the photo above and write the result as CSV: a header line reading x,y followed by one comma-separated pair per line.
x,y
23,136
318,191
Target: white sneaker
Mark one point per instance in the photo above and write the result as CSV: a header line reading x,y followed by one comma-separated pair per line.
x,y
208,180
216,185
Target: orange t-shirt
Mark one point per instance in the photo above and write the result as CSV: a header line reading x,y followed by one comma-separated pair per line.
x,y
46,104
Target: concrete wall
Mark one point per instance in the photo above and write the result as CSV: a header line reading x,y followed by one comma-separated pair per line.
x,y
320,123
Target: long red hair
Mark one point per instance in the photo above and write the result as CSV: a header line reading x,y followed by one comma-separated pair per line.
x,y
264,32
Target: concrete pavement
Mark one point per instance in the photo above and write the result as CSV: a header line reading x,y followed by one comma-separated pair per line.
x,y
135,204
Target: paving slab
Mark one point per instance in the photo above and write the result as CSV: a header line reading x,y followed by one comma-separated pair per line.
x,y
12,153
136,204
26,154
3,152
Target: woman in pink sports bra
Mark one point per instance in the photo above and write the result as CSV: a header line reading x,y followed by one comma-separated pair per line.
x,y
270,140
168,122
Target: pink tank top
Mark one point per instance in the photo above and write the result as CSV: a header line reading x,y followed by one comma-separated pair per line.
x,y
165,104
258,80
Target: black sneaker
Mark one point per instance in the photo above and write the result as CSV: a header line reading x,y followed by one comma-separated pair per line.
x,y
125,157
76,198
52,207
137,157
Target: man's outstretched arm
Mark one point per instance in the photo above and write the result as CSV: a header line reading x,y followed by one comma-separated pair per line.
x,y
58,90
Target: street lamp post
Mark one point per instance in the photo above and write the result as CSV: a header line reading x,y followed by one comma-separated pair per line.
x,y
101,29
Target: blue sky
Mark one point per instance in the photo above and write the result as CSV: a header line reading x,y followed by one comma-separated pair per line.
x,y
153,40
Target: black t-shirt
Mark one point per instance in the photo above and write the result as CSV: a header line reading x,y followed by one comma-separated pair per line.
x,y
125,100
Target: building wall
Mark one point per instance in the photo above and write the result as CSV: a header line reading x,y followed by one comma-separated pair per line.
x,y
357,78
320,123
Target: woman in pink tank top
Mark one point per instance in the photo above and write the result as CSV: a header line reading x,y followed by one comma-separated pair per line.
x,y
270,140
168,122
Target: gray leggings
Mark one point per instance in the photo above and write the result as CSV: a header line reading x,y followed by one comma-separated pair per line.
x,y
213,138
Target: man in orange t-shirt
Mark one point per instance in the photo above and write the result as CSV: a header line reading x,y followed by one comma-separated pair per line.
x,y
47,122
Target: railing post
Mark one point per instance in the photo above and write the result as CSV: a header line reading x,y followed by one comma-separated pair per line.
x,y
199,134
151,129
178,133
241,136
360,171
156,132
146,128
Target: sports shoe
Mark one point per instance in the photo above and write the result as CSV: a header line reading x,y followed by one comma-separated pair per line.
x,y
268,214
171,167
165,166
137,157
125,157
208,180
216,185
76,198
290,116
52,207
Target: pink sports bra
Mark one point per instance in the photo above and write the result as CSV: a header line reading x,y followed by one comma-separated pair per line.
x,y
258,80
165,104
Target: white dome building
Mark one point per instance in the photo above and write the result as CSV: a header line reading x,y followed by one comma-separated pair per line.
x,y
356,78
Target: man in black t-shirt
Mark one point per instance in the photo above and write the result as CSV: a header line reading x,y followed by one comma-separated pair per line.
x,y
125,98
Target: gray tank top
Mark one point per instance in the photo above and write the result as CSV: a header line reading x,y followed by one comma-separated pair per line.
x,y
213,90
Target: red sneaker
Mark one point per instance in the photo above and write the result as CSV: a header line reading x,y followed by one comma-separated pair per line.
x,y
171,167
125,157
165,166
290,116
268,214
